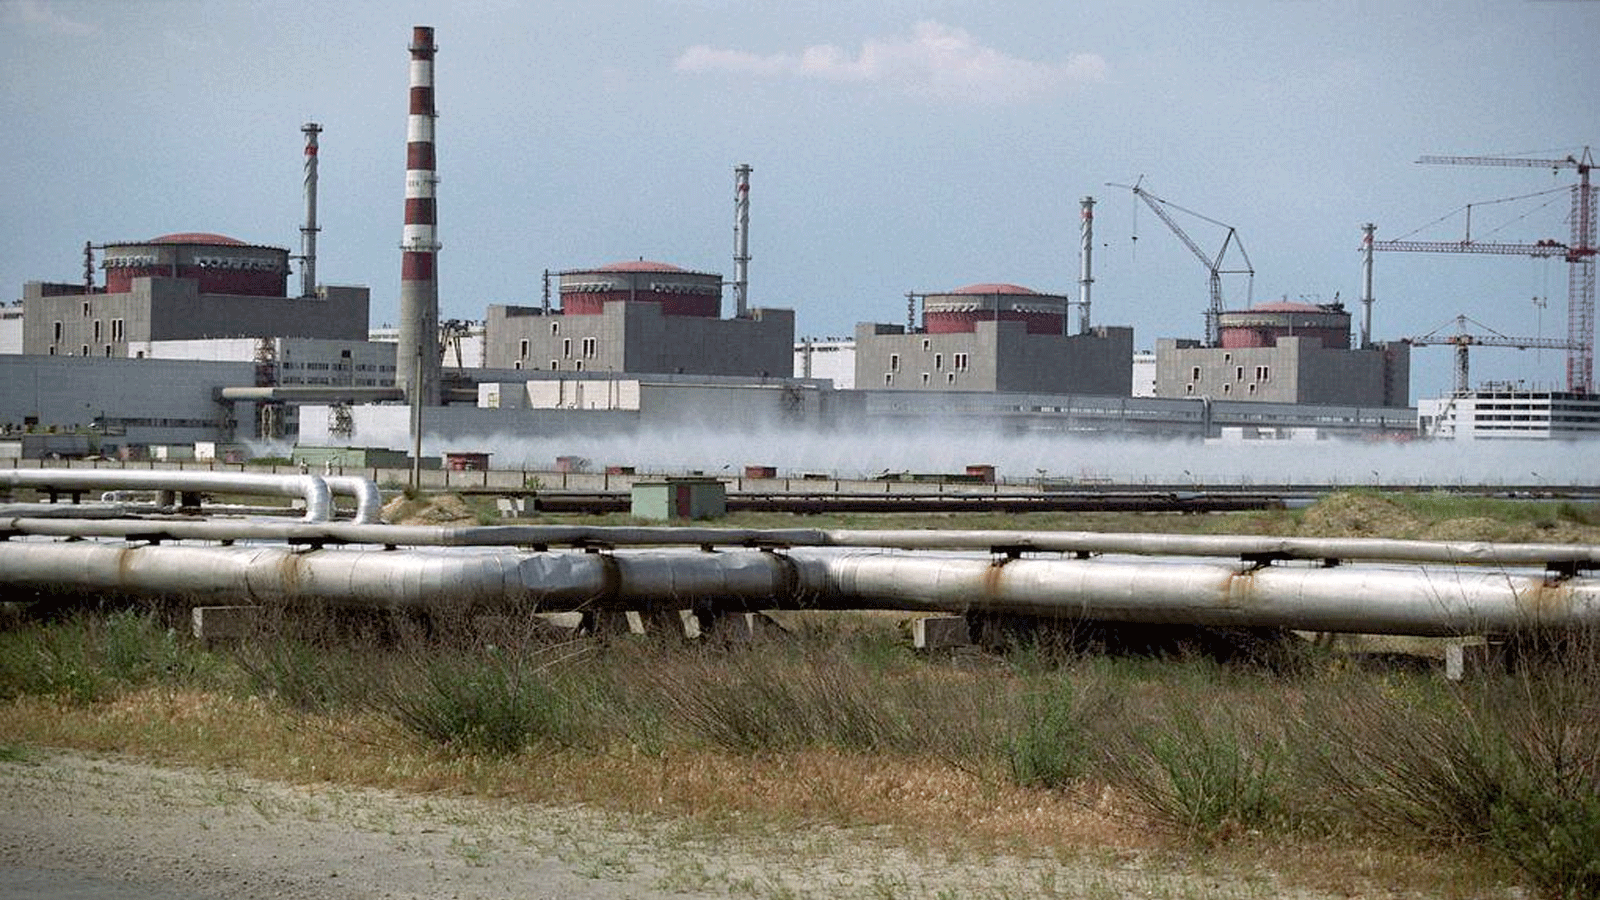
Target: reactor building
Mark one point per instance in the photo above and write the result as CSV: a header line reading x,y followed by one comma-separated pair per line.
x,y
1286,352
183,287
994,337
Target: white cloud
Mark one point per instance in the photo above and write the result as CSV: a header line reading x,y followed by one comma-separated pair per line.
x,y
936,62
41,14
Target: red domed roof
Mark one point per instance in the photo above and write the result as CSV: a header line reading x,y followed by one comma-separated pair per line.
x,y
639,265
993,288
196,237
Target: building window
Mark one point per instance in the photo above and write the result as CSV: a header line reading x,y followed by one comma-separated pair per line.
x,y
1227,388
590,347
1263,373
577,366
52,351
1227,357
97,329
522,349
57,338
84,351
1238,373
108,349
1252,389
924,377
86,309
566,348
894,358
555,327
1194,374
927,344
950,378
938,361
961,362
888,377
1188,389
116,329
516,364
554,365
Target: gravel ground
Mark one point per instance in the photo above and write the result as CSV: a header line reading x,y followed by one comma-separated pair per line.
x,y
83,827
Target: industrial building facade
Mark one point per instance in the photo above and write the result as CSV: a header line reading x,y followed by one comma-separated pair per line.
x,y
640,317
994,337
179,287
1502,412
1286,353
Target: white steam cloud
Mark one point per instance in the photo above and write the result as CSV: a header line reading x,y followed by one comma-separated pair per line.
x,y
935,62
949,447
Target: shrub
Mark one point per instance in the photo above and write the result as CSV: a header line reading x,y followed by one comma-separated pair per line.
x,y
1204,772
89,657
1053,744
494,702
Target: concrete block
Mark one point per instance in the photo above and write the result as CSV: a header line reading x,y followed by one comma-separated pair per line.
x,y
738,628
515,507
224,623
940,632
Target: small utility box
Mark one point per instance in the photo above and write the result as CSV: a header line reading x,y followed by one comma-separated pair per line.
x,y
680,498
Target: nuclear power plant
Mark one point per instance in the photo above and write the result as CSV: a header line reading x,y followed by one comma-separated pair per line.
x,y
623,346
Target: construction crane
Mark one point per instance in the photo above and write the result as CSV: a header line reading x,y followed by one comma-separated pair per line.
x,y
1213,264
1461,339
1578,251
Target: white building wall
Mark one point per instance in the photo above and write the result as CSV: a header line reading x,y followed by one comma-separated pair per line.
x,y
831,358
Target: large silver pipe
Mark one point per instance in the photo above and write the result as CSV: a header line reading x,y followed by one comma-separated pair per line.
x,y
319,503
369,500
1363,599
1244,547
1368,599
315,489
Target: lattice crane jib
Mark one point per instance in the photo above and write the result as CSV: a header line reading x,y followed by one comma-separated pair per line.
x,y
1578,252
1213,264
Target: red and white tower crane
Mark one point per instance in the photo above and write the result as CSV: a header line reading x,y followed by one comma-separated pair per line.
x,y
1578,251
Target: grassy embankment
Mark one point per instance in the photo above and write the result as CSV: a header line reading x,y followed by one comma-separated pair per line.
x,y
1331,775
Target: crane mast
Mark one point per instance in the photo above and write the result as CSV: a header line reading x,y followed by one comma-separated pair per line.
x,y
1214,308
1578,252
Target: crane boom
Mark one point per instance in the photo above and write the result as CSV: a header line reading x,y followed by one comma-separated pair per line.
x,y
1579,252
1567,162
1461,339
1214,308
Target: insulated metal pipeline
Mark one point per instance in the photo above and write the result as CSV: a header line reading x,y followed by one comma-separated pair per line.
x,y
317,490
1412,600
1245,547
1363,599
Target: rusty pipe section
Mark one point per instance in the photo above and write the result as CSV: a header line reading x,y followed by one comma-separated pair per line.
x,y
1413,600
316,490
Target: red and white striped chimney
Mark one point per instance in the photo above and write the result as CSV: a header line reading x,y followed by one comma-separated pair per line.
x,y
417,356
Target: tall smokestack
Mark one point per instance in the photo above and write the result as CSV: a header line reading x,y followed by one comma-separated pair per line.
x,y
1366,284
308,231
417,356
741,240
1085,270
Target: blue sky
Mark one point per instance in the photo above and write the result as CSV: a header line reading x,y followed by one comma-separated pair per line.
x,y
898,146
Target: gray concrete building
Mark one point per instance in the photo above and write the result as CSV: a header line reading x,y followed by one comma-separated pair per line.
x,y
1286,353
994,337
640,317
181,287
